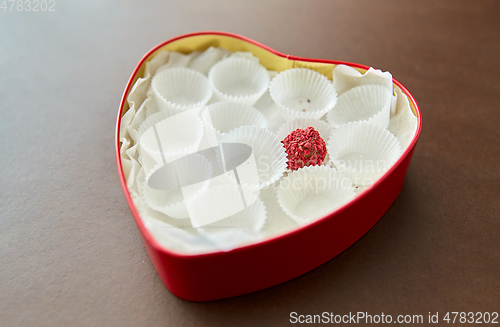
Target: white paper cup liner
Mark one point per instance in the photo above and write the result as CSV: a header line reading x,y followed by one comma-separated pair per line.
x,y
238,79
172,202
302,93
237,230
219,202
179,88
310,193
179,135
251,219
363,151
324,129
268,151
149,162
367,102
226,116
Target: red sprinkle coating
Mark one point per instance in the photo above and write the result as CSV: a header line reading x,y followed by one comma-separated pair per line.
x,y
304,147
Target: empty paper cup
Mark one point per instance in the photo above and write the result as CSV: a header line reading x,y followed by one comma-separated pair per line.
x,y
251,219
172,202
312,192
179,88
239,80
226,116
302,93
367,102
323,128
218,202
268,151
168,137
238,229
363,150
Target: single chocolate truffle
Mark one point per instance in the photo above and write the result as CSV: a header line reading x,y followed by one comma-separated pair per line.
x,y
304,147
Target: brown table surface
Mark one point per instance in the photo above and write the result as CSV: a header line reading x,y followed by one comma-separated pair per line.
x,y
70,253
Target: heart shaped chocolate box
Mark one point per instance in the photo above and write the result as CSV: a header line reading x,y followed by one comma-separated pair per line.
x,y
198,262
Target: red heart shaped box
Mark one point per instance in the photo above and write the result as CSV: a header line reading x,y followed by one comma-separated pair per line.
x,y
280,258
